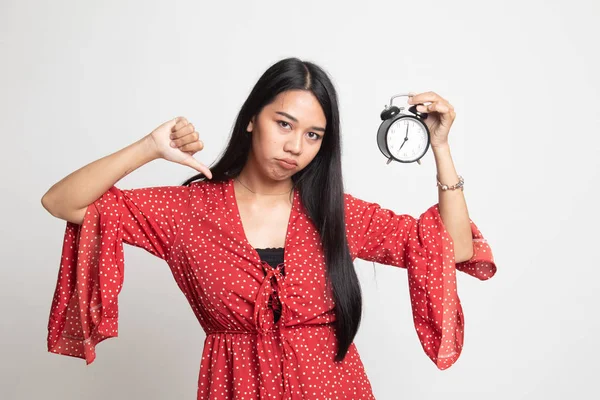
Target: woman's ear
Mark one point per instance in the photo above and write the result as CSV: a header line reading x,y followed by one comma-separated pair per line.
x,y
250,125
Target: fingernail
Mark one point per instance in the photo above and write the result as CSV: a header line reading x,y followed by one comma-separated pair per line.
x,y
173,144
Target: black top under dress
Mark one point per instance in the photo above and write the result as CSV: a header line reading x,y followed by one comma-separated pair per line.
x,y
273,256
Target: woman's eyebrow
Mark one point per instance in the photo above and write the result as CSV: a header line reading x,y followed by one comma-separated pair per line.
x,y
316,128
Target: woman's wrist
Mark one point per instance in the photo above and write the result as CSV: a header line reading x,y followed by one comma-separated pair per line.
x,y
148,149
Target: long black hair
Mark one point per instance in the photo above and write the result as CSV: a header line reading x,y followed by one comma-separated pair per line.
x,y
320,183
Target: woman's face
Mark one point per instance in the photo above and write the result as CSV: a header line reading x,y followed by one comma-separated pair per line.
x,y
291,128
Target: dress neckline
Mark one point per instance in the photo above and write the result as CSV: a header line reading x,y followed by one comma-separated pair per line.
x,y
235,211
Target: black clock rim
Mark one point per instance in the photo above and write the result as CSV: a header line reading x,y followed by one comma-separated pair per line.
x,y
387,124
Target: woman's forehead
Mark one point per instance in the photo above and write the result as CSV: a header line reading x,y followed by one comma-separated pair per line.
x,y
300,104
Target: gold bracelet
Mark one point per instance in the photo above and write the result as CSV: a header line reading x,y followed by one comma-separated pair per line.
x,y
460,184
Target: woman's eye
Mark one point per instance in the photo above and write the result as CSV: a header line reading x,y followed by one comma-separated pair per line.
x,y
316,136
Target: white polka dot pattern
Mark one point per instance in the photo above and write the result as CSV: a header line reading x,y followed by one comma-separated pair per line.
x,y
197,230
425,248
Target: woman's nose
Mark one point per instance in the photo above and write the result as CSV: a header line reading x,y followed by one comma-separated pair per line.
x,y
294,144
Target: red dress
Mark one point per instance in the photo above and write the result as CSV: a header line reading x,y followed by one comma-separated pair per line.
x,y
197,230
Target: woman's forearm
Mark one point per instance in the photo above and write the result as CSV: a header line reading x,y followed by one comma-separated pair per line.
x,y
84,186
452,205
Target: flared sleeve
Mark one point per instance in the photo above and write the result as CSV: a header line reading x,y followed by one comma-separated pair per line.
x,y
84,308
425,248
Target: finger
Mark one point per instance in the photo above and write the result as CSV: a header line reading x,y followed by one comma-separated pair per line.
x,y
187,139
439,107
425,97
198,166
181,122
184,131
193,147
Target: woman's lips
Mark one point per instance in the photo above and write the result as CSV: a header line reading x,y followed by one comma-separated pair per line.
x,y
286,165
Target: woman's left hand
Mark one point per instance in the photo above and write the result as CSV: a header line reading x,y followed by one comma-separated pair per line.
x,y
440,115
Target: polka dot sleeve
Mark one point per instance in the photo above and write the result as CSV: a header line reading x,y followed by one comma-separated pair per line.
x,y
149,216
425,248
84,309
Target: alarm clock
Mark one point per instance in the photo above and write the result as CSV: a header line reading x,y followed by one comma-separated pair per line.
x,y
403,137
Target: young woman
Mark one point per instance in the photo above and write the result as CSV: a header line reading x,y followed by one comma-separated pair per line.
x,y
262,245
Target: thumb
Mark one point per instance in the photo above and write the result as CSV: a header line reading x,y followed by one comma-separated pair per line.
x,y
198,166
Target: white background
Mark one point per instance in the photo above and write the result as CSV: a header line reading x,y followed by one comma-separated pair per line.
x,y
81,80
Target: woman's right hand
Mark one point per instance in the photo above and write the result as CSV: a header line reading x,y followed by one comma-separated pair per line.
x,y
177,141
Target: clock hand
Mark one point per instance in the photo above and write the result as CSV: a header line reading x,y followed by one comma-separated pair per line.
x,y
405,138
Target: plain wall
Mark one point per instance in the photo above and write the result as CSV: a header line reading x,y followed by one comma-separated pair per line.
x,y
81,80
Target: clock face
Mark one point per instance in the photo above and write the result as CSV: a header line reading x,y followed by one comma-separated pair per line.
x,y
407,139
